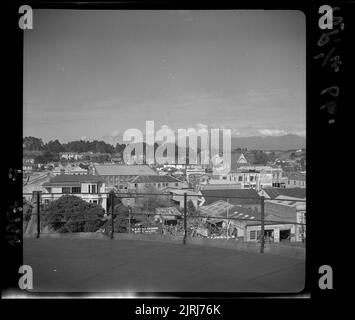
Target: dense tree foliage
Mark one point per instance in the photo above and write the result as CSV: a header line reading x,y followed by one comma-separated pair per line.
x,y
72,214
32,144
55,147
259,157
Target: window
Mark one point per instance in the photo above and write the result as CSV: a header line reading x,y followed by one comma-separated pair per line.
x,y
93,188
76,190
240,178
176,184
253,235
251,178
66,190
136,185
94,201
224,178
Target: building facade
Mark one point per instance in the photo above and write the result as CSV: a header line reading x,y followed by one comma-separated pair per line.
x,y
119,176
284,221
159,182
87,187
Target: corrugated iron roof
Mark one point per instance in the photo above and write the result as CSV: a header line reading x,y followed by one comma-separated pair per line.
x,y
124,170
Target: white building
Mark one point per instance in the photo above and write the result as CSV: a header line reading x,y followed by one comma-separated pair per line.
x,y
75,170
70,155
87,187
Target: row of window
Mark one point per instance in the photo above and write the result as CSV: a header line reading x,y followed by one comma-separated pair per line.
x,y
163,184
240,178
67,190
297,182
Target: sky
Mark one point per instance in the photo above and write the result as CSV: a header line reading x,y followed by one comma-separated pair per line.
x,y
94,74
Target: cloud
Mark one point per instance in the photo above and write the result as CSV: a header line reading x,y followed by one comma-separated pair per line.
x,y
235,132
201,126
115,133
83,138
272,132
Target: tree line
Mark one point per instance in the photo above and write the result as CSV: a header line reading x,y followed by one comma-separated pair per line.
x,y
50,151
54,146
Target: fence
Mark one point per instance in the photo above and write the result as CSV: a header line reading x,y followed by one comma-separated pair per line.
x,y
154,213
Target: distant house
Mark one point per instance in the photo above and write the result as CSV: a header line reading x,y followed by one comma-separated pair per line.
x,y
69,169
70,155
28,164
296,180
60,170
141,182
248,178
88,187
247,198
214,179
78,170
118,176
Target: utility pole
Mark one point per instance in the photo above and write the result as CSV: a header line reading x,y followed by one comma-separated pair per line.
x,y
112,196
38,205
262,217
227,218
129,219
185,214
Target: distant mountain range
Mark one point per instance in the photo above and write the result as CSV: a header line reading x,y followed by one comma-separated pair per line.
x,y
285,142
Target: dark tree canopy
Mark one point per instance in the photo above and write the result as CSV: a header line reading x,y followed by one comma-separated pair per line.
x,y
72,214
33,144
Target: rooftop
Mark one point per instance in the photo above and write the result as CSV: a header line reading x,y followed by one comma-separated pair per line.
x,y
246,196
154,179
124,170
72,178
273,193
222,209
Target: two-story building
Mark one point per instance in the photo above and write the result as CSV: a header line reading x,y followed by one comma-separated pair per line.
x,y
249,178
296,180
87,187
119,176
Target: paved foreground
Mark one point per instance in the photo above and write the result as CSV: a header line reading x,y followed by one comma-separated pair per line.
x,y
91,265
